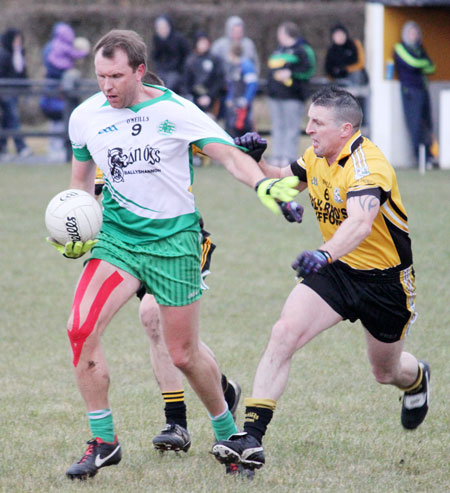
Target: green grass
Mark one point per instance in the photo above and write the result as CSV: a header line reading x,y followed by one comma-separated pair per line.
x,y
335,429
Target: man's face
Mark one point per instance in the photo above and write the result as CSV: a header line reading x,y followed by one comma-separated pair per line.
x,y
413,35
117,80
325,132
339,37
162,28
237,32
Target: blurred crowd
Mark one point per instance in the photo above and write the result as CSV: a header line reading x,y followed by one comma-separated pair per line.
x,y
221,76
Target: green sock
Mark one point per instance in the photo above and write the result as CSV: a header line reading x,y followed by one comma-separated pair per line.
x,y
101,423
223,425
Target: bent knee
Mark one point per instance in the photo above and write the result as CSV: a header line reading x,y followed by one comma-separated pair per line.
x,y
182,358
384,376
282,337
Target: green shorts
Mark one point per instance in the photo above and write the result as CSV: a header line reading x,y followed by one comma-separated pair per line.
x,y
169,268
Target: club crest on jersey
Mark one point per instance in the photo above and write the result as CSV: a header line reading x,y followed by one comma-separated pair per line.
x,y
166,128
337,196
117,161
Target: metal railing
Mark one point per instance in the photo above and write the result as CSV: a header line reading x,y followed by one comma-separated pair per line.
x,y
72,89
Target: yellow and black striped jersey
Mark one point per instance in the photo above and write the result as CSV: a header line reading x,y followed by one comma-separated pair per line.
x,y
360,169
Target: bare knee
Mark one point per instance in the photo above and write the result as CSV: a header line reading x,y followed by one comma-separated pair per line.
x,y
150,318
383,375
182,358
281,339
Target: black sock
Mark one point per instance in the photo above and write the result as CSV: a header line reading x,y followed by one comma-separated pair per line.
x,y
256,421
228,392
175,408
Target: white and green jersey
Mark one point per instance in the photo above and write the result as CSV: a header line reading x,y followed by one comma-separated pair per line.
x,y
145,153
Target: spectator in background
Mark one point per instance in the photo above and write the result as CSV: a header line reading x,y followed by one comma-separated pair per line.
x,y
344,64
204,76
242,84
235,33
59,56
413,65
344,61
290,67
12,66
170,50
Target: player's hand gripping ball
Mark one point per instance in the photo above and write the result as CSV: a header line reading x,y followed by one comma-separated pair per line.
x,y
73,219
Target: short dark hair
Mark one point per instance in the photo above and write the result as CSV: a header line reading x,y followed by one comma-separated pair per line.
x,y
126,40
291,29
346,106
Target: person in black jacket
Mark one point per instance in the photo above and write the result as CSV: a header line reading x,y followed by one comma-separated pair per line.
x,y
290,67
12,66
204,76
170,50
341,54
345,64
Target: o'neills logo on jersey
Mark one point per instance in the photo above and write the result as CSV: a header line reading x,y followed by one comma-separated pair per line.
x,y
133,161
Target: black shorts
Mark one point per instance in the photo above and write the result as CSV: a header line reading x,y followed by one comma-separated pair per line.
x,y
383,302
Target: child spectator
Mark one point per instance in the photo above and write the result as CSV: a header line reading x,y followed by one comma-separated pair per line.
x,y
242,84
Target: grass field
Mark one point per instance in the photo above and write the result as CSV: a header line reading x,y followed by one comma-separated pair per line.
x,y
335,429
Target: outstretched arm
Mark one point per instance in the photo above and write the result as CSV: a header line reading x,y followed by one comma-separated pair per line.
x,y
256,146
241,166
245,169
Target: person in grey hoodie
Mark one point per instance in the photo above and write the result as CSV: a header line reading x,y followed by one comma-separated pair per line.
x,y
235,32
221,48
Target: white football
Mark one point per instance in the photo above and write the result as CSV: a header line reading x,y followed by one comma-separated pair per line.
x,y
73,215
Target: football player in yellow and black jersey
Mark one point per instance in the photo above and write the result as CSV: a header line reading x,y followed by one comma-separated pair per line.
x,y
363,270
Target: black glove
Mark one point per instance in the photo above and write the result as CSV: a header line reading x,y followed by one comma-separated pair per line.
x,y
311,261
255,144
292,211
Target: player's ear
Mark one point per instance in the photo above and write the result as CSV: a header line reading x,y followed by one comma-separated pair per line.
x,y
347,129
141,71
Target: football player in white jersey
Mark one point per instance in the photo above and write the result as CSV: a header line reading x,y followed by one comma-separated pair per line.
x,y
141,137
175,435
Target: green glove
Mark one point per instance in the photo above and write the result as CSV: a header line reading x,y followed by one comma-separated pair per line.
x,y
72,249
269,189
